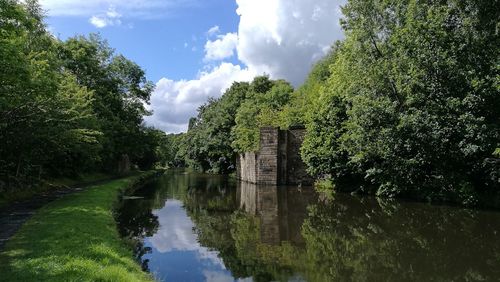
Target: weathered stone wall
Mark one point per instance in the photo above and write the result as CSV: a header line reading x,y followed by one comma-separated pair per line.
x,y
124,164
246,167
278,161
267,161
282,157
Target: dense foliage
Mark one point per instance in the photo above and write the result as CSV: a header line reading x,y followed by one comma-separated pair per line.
x,y
230,124
171,151
412,106
66,107
264,101
297,111
209,135
406,105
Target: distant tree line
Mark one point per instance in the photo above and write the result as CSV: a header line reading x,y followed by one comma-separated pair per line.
x,y
66,107
407,105
230,124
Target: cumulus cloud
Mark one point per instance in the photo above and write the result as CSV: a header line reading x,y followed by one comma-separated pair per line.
x,y
175,231
217,276
282,38
176,234
285,37
174,102
98,22
110,18
221,48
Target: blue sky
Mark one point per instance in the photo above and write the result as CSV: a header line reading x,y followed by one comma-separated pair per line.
x,y
195,49
169,45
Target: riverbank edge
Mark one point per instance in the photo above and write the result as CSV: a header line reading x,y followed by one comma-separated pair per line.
x,y
55,185
75,238
484,202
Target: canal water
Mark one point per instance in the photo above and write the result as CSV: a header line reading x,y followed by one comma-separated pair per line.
x,y
189,226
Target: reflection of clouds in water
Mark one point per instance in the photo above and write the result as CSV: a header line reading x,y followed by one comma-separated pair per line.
x,y
176,233
176,229
212,256
217,276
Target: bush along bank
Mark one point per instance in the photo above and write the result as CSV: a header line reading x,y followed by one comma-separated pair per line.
x,y
75,239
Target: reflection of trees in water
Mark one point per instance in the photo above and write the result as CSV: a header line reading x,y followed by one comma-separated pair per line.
x,y
206,198
260,242
140,250
209,204
214,196
135,217
344,239
262,261
351,239
137,221
366,240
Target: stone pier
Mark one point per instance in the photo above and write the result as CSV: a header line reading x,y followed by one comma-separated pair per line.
x,y
278,160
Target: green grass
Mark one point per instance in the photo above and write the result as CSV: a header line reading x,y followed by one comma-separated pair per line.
x,y
73,239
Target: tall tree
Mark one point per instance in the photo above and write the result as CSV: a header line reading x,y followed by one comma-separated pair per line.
x,y
121,90
45,116
210,136
65,107
412,106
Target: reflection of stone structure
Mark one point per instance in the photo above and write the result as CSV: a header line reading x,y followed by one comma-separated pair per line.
x,y
124,164
278,161
281,210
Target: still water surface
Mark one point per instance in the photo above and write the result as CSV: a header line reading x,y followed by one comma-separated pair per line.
x,y
197,227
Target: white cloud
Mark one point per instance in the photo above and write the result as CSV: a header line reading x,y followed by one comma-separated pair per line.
x,y
213,31
222,48
285,37
129,8
112,13
176,234
98,22
174,102
110,18
282,38
217,276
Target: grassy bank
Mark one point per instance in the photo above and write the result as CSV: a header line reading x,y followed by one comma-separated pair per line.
x,y
48,185
73,239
